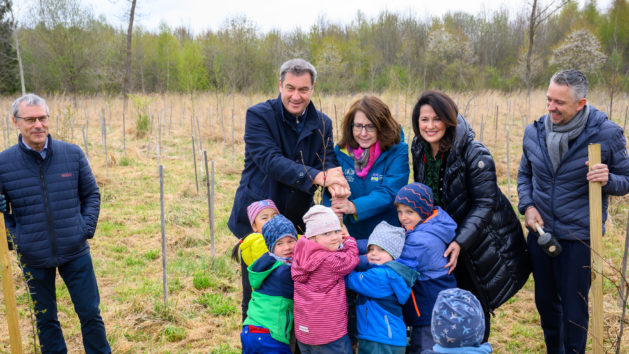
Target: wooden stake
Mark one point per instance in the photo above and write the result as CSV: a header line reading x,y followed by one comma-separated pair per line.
x,y
508,159
624,128
103,130
210,200
496,132
623,283
194,158
596,244
161,202
482,127
336,122
87,153
8,291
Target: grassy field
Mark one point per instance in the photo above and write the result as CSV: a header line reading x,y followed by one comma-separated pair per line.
x,y
203,309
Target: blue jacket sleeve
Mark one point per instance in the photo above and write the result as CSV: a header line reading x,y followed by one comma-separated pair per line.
x,y
525,175
89,195
618,164
395,177
262,146
372,283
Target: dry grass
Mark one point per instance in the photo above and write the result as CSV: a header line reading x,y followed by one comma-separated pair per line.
x,y
203,311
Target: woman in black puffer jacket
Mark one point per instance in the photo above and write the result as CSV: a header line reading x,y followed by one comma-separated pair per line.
x,y
489,247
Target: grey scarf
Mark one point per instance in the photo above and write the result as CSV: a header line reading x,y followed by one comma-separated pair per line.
x,y
559,136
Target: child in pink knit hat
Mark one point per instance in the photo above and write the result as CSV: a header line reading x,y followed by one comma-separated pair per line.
x,y
321,260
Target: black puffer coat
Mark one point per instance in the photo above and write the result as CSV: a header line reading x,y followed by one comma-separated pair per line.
x,y
494,257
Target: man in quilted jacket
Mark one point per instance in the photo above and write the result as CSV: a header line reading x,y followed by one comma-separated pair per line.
x,y
54,205
553,190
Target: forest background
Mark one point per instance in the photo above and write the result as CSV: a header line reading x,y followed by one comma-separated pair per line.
x,y
65,48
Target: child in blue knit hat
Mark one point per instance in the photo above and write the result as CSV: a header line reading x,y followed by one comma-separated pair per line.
x,y
270,314
429,230
458,324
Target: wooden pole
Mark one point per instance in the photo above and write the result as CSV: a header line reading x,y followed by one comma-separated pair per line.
x,y
623,283
508,159
103,130
163,225
596,244
210,209
194,159
8,291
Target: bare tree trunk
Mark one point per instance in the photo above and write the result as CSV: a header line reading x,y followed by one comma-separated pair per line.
x,y
127,77
529,55
19,59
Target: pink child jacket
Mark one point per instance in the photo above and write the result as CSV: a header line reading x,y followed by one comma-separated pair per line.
x,y
320,303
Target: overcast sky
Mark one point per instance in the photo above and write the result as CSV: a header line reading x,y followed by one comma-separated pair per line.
x,y
281,14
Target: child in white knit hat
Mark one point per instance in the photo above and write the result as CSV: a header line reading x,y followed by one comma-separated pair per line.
x,y
321,259
382,291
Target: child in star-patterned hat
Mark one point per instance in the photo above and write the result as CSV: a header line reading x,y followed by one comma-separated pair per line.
x,y
458,323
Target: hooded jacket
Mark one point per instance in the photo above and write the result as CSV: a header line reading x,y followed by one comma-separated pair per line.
x,y
423,251
320,302
374,195
55,202
271,304
425,245
382,291
493,255
561,197
280,163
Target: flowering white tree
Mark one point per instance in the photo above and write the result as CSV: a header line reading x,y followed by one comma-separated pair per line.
x,y
450,59
580,50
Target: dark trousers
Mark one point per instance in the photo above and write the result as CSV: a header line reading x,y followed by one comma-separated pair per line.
x,y
246,289
421,339
80,280
340,346
561,294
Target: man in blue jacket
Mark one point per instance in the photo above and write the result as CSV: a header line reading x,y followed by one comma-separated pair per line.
x,y
54,203
553,191
288,154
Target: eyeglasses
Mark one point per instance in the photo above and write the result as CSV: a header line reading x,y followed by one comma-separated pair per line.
x,y
370,128
32,120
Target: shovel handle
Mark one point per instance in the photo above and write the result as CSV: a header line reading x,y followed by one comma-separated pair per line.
x,y
539,229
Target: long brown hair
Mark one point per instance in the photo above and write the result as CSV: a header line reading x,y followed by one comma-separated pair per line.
x,y
379,115
446,110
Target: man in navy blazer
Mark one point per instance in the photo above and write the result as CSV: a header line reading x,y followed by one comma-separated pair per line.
x,y
289,152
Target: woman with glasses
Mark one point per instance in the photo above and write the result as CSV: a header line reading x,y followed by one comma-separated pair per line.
x,y
374,159
489,251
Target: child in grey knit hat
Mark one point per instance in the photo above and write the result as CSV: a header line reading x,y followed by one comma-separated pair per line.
x,y
383,289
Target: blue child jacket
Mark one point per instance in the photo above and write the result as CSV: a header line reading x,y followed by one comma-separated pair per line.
x,y
382,290
423,251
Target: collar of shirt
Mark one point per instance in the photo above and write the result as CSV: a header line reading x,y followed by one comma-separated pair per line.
x,y
43,151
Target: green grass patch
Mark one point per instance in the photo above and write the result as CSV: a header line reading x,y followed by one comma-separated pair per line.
x,y
217,304
174,333
151,255
201,280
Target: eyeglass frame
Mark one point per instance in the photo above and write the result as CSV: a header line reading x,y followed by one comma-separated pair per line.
x,y
33,120
369,128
